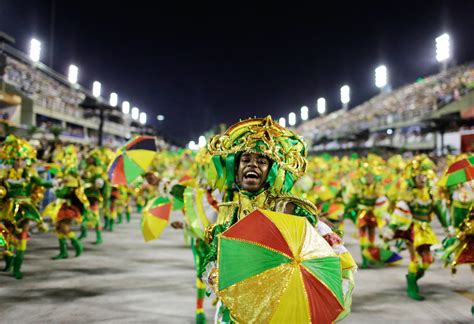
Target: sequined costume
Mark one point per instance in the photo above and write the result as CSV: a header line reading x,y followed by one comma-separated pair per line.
x,y
411,219
18,183
459,248
71,204
369,202
97,190
287,153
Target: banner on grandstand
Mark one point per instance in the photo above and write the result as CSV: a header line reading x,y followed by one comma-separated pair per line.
x,y
467,142
467,113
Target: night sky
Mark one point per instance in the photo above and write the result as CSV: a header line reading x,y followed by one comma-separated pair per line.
x,y
207,64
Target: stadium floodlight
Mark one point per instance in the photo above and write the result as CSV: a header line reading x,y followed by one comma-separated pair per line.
x,y
160,117
73,73
202,141
135,113
381,76
282,122
142,118
113,100
292,119
345,96
321,104
126,107
304,113
192,145
96,89
35,50
443,47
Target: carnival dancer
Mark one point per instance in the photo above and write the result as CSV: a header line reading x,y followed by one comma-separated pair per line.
x,y
97,192
124,204
187,193
458,246
369,201
411,220
459,226
71,204
18,183
258,162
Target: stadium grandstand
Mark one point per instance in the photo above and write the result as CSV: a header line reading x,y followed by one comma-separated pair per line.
x,y
434,114
37,100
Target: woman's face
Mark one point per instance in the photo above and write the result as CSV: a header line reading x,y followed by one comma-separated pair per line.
x,y
420,181
19,163
152,179
252,171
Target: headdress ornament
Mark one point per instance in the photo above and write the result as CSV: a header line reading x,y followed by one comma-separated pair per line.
x,y
262,136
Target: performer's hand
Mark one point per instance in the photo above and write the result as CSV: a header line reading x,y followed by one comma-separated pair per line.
x,y
177,225
212,279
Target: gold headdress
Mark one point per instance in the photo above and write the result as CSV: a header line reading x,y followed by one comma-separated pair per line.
x,y
266,137
262,136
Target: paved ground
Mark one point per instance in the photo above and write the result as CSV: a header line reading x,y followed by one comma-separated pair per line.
x,y
126,280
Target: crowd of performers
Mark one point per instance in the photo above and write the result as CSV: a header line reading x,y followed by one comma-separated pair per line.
x,y
255,165
82,195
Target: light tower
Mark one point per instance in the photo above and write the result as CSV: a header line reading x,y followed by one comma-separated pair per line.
x,y
321,104
381,78
345,96
35,50
443,50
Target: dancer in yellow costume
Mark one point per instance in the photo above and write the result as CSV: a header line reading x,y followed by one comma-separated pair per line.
x,y
71,203
257,162
412,217
17,186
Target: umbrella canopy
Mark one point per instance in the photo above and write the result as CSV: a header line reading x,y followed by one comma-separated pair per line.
x,y
459,172
156,216
276,268
132,160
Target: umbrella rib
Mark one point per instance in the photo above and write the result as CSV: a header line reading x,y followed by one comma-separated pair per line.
x,y
305,292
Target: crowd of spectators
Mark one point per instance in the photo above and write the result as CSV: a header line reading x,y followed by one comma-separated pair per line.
x,y
43,89
50,93
407,103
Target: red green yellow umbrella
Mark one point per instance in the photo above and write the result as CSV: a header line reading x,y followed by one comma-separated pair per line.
x,y
156,216
276,268
459,172
132,160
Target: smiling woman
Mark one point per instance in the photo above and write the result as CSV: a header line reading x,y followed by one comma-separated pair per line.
x,y
252,171
257,161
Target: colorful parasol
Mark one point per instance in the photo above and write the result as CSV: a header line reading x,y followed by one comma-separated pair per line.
x,y
156,216
132,160
276,268
459,172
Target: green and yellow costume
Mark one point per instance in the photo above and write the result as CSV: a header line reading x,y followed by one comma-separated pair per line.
x,y
287,152
411,220
71,203
19,181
